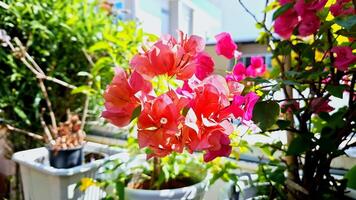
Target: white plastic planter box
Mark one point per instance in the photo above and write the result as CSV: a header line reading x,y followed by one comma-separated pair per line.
x,y
43,182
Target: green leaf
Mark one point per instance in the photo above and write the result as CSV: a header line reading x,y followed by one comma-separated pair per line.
x,y
102,45
22,114
344,32
258,80
271,6
298,146
335,90
120,189
282,10
278,175
83,89
83,73
347,22
265,114
283,48
136,113
351,178
282,124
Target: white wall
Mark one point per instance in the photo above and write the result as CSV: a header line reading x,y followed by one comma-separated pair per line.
x,y
239,23
151,20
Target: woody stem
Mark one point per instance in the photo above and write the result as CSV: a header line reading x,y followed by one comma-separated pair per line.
x,y
155,172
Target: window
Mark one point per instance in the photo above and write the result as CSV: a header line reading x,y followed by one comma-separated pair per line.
x,y
187,19
266,58
165,17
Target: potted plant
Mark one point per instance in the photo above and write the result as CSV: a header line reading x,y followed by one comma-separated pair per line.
x,y
314,67
66,151
65,141
169,95
66,157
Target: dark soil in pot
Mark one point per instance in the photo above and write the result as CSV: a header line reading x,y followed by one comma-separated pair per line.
x,y
66,158
92,156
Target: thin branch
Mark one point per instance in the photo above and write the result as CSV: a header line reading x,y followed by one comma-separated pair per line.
x,y
44,92
49,104
46,129
292,99
352,89
255,18
87,98
285,129
347,145
33,135
26,55
35,67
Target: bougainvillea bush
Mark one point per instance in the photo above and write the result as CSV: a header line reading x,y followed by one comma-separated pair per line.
x,y
169,91
312,43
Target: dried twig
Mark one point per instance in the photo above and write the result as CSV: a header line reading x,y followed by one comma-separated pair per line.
x,y
46,129
34,135
34,67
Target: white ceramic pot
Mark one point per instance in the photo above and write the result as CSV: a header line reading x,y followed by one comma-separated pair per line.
x,y
193,192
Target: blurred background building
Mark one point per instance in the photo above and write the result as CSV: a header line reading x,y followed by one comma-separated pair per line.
x,y
205,18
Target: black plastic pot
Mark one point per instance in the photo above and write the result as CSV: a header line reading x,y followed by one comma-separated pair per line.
x,y
67,158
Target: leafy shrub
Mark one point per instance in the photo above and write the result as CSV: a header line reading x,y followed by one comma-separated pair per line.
x,y
56,33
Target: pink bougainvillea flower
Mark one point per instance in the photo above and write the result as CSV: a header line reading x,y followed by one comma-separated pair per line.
x,y
205,128
120,97
342,7
191,45
158,126
218,82
211,138
256,68
171,57
225,45
290,106
222,147
239,72
303,6
286,23
344,57
235,88
204,65
309,24
301,15
242,106
319,105
283,2
251,99
159,59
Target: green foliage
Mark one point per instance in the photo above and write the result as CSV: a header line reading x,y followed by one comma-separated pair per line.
x,y
298,146
281,10
265,114
117,174
306,68
336,91
56,34
351,178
